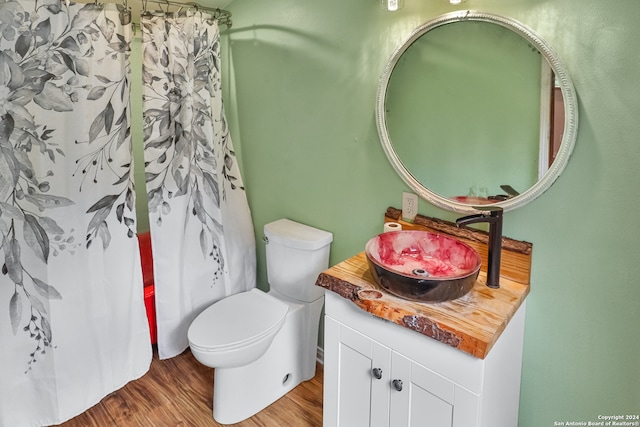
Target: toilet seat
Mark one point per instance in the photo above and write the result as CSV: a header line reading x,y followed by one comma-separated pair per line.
x,y
237,321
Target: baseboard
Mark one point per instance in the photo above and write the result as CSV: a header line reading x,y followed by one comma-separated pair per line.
x,y
320,356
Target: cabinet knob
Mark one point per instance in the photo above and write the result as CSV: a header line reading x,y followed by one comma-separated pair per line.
x,y
397,384
377,373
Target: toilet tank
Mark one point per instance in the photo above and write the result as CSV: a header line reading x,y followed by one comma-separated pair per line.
x,y
296,255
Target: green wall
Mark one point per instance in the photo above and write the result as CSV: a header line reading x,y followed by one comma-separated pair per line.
x,y
301,79
300,86
142,213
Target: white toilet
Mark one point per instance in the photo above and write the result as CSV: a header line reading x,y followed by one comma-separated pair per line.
x,y
261,344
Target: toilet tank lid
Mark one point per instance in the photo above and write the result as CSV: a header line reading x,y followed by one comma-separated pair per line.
x,y
295,235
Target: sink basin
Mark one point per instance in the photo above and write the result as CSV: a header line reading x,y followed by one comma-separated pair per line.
x,y
422,266
474,200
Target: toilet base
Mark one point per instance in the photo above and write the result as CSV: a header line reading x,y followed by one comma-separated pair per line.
x,y
241,392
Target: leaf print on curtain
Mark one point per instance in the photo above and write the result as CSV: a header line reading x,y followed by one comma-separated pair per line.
x,y
201,229
73,325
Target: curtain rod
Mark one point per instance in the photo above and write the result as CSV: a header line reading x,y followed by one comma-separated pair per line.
x,y
223,16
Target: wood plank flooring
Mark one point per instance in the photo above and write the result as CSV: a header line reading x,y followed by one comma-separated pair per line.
x,y
178,392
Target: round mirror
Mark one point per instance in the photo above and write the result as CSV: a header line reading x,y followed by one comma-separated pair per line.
x,y
476,109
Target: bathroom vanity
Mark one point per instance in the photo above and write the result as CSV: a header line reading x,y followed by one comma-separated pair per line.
x,y
395,362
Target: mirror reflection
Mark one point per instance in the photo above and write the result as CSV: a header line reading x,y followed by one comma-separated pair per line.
x,y
470,110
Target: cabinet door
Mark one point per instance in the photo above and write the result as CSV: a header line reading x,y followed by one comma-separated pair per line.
x,y
419,397
355,395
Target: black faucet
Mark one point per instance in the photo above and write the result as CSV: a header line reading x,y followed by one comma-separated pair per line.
x,y
492,215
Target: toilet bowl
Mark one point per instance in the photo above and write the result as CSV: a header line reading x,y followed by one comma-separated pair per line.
x,y
263,344
250,322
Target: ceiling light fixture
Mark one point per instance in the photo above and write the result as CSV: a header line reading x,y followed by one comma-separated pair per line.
x,y
392,5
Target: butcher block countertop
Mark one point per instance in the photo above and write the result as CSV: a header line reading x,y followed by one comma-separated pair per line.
x,y
472,323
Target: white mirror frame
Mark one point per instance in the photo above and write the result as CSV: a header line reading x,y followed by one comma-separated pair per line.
x,y
568,94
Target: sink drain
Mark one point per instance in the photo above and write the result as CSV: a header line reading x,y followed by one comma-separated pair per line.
x,y
421,272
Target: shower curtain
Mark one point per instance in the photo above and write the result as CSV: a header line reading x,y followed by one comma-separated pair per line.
x,y
201,229
72,320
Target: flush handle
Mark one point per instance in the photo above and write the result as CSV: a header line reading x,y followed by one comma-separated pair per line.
x,y
397,384
377,373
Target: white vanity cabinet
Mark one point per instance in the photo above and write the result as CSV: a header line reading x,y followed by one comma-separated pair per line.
x,y
380,387
378,374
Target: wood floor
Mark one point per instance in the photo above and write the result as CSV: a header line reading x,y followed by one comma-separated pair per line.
x,y
178,392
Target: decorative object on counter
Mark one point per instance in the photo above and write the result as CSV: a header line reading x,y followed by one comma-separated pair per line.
x,y
391,226
492,215
422,266
472,323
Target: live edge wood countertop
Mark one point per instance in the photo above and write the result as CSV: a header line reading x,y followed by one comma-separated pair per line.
x,y
472,323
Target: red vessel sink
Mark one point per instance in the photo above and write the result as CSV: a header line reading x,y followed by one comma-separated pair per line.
x,y
422,266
